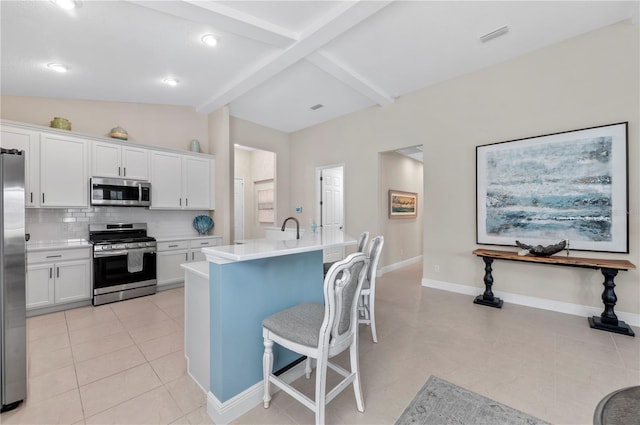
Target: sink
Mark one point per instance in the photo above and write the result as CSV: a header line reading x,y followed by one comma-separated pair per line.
x,y
276,234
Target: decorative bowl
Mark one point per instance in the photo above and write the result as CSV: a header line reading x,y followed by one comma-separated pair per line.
x,y
119,133
61,123
203,223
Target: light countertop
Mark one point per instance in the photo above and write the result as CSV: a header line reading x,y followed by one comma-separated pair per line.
x,y
34,246
183,237
253,249
199,268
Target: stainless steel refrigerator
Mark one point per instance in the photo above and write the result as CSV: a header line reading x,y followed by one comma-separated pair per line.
x,y
13,322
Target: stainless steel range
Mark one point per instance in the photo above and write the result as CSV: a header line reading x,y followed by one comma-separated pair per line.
x,y
124,262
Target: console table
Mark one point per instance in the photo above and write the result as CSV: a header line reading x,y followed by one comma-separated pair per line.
x,y
608,321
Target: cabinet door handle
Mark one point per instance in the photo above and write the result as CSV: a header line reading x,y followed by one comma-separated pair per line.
x,y
204,243
186,202
57,271
31,197
180,201
43,198
50,272
186,256
172,246
124,173
54,256
193,256
118,170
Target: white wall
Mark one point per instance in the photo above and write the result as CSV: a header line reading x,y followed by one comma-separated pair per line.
x,y
586,81
402,236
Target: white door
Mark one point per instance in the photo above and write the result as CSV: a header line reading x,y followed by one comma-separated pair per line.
x,y
238,209
331,189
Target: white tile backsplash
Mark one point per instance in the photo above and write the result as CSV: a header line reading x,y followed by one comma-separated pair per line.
x,y
52,224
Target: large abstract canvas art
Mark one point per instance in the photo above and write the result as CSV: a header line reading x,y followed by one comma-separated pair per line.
x,y
565,186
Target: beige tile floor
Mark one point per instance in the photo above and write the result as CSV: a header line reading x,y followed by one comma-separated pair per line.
x,y
123,363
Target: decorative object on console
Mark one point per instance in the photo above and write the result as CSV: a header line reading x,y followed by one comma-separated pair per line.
x,y
61,123
195,145
203,223
119,133
403,204
569,185
542,251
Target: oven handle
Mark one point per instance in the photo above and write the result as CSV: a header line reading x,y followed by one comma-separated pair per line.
x,y
122,252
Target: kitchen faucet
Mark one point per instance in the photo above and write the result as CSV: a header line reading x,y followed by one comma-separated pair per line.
x,y
297,225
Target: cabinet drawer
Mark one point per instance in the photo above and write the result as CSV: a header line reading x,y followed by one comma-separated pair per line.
x,y
168,246
203,243
56,256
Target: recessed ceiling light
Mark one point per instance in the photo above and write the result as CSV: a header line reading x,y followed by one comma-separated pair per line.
x,y
66,4
170,82
209,40
58,67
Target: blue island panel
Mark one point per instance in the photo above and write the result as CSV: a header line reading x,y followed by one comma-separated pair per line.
x,y
242,294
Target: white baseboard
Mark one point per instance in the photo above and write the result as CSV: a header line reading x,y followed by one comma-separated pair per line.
x,y
223,413
632,319
399,265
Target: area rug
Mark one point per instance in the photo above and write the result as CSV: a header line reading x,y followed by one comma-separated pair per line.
x,y
442,403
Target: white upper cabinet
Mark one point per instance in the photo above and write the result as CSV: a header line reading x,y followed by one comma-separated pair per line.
x,y
64,180
196,183
59,164
29,142
115,160
166,180
135,163
181,181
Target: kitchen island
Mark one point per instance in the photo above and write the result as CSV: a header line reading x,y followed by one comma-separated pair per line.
x,y
226,299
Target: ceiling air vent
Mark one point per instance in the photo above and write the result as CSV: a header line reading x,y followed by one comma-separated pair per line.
x,y
495,33
316,107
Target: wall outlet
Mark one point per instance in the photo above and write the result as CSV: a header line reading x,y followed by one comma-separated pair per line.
x,y
436,268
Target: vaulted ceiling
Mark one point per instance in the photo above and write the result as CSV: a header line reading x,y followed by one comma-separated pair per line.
x,y
275,62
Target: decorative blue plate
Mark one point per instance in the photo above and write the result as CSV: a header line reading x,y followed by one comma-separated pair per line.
x,y
203,223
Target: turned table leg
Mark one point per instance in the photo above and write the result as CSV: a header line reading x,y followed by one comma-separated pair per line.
x,y
487,297
608,321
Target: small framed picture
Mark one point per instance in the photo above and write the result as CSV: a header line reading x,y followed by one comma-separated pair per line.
x,y
403,204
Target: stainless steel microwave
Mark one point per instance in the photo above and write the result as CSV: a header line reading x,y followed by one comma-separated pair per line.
x,y
120,192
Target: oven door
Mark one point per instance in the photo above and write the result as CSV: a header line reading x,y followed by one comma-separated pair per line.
x,y
111,271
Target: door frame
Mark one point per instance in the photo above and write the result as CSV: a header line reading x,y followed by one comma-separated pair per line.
x,y
318,196
244,230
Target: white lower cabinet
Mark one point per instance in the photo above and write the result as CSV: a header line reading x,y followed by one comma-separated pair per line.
x,y
171,254
58,277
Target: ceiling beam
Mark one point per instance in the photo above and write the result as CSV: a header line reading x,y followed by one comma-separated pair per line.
x,y
340,19
350,78
226,19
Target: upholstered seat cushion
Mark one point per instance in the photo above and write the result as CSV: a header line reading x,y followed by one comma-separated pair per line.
x,y
300,324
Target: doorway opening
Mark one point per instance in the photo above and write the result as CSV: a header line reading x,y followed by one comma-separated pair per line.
x,y
254,192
